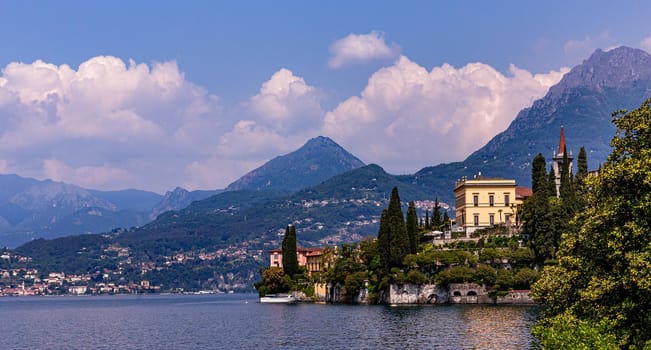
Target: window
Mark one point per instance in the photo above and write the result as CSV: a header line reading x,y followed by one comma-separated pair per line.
x,y
491,218
507,199
491,200
476,217
507,218
475,200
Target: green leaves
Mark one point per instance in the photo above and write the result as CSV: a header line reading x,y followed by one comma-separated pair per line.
x,y
604,270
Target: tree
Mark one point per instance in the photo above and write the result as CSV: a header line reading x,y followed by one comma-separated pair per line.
x,y
290,259
538,173
537,213
383,241
436,215
398,239
603,276
412,228
393,241
427,224
582,164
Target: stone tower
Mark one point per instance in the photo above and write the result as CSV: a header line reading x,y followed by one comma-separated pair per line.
x,y
557,162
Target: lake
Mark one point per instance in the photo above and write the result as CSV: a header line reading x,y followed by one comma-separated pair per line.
x,y
240,322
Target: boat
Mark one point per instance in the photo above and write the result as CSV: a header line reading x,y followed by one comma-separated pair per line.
x,y
278,299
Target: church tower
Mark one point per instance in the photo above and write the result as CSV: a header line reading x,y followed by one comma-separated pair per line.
x,y
557,162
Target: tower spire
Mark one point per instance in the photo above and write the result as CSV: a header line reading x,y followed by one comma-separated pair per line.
x,y
561,143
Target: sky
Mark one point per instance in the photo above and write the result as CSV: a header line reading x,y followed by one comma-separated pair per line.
x,y
157,94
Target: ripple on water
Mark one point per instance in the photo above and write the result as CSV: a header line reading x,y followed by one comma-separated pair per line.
x,y
239,322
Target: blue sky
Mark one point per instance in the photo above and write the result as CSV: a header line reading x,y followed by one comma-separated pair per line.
x,y
152,95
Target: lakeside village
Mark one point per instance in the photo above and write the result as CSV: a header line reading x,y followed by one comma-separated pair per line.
x,y
482,256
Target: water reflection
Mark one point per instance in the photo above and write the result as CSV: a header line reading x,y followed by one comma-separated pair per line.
x,y
234,322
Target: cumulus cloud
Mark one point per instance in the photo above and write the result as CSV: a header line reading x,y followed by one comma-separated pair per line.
x,y
111,124
408,117
645,44
359,48
287,101
111,119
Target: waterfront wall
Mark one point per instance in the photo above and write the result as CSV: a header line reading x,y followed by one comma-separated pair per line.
x,y
416,294
454,293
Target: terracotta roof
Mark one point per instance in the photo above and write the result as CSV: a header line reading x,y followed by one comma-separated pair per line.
x,y
523,192
561,143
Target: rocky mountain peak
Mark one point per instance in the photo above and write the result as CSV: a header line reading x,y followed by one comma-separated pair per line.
x,y
614,68
318,159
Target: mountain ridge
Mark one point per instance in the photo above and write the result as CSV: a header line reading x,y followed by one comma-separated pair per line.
x,y
317,160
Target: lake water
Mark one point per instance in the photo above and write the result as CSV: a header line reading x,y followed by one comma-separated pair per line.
x,y
240,322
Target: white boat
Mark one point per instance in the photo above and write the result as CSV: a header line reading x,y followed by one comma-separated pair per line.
x,y
278,299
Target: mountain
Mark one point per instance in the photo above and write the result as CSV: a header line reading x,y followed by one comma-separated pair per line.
x,y
336,207
32,208
177,199
582,102
235,227
316,161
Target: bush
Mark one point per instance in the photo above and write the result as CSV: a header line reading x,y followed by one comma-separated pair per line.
x,y
566,332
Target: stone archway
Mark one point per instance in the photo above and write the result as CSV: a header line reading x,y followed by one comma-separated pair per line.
x,y
431,299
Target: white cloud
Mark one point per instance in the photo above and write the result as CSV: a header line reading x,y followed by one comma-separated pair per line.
x,y
645,44
286,112
407,117
120,124
86,176
286,100
112,124
359,48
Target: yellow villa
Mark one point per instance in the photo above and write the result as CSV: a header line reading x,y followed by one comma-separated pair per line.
x,y
483,202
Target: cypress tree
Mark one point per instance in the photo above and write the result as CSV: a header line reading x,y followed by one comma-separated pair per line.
x,y
398,239
551,183
383,241
446,220
436,215
536,214
412,228
538,173
581,174
582,164
427,226
290,259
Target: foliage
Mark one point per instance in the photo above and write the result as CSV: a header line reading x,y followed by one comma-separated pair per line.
x,y
412,228
565,332
603,274
273,281
290,259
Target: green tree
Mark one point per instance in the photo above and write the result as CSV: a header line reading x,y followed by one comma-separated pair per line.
x,y
436,215
537,212
446,220
603,276
582,164
538,173
412,228
384,241
398,239
290,259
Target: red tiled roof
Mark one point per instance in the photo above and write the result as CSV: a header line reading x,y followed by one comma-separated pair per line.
x,y
523,192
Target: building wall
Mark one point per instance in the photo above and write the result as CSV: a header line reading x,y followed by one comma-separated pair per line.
x,y
483,202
